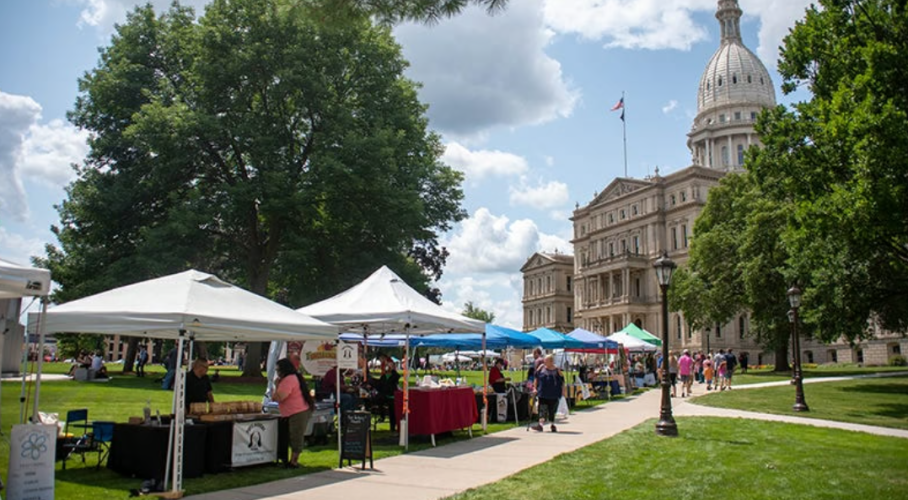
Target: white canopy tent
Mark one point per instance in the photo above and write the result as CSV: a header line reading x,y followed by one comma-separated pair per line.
x,y
632,343
16,282
383,302
193,305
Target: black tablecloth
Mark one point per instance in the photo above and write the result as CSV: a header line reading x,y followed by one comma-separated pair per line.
x,y
141,450
523,406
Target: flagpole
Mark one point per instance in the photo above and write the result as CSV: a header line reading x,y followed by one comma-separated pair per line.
x,y
624,130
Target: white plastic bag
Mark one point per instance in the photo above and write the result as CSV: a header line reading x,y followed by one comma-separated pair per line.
x,y
584,391
562,411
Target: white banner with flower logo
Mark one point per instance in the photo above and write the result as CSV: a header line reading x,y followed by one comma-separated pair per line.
x,y
32,452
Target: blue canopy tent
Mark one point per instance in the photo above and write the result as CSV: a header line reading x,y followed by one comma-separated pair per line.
x,y
497,337
595,343
550,339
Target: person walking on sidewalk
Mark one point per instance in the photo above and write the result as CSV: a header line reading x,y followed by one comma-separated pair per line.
x,y
685,370
731,362
549,388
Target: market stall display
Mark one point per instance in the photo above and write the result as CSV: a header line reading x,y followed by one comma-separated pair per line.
x,y
439,410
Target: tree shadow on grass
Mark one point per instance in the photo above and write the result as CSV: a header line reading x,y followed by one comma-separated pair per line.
x,y
878,389
896,411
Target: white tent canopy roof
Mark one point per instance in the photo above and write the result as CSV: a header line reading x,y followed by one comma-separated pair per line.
x,y
383,302
22,281
200,303
631,343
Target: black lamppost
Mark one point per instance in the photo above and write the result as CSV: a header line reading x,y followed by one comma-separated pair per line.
x,y
666,425
794,298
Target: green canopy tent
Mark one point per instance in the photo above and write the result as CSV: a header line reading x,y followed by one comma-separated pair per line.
x,y
639,333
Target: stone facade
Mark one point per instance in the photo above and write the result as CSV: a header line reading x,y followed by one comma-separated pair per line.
x,y
548,296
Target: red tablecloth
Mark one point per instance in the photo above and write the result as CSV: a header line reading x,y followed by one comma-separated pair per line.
x,y
438,410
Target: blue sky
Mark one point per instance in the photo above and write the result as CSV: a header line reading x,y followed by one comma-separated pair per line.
x,y
521,99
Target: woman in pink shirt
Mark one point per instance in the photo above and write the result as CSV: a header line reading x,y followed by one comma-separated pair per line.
x,y
295,404
685,370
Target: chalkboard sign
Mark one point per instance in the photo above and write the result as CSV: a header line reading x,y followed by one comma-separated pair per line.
x,y
356,441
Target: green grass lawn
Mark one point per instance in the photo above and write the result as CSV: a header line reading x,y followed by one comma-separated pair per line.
x,y
759,376
718,459
875,401
125,395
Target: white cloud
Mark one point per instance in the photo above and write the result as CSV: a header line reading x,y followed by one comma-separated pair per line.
x,y
49,151
481,71
483,163
485,243
17,115
102,14
487,252
668,108
667,24
542,196
549,160
31,150
19,249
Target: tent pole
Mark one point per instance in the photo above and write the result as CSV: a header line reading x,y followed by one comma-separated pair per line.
x,y
24,368
42,330
404,426
485,386
11,312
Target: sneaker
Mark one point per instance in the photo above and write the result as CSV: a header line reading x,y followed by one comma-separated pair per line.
x,y
554,429
537,427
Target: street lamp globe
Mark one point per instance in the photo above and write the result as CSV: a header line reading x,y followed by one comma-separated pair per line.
x,y
664,268
794,296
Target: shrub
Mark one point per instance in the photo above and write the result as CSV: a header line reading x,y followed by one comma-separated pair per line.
x,y
898,360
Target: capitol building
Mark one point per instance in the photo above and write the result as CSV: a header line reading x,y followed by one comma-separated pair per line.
x,y
610,282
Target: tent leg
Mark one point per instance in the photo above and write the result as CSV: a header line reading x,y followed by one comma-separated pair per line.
x,y
42,330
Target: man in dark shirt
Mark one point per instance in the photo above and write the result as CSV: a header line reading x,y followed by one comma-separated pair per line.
x,y
731,361
198,386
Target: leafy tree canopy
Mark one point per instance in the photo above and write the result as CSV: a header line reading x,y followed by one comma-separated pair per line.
x,y
287,155
471,311
839,162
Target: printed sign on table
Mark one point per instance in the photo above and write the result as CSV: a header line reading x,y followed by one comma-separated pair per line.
x,y
347,356
254,442
32,450
318,356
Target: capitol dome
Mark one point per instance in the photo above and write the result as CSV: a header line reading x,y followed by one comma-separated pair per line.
x,y
733,90
734,75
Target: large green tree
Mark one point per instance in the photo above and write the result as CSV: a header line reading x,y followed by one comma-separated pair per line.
x,y
396,11
840,161
471,311
738,264
288,155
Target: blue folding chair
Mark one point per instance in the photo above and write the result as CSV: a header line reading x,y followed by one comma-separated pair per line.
x,y
78,419
102,435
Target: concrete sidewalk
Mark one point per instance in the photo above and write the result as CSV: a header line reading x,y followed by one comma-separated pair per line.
x,y
446,470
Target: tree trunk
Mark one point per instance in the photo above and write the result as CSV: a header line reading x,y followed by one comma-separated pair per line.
x,y
252,364
132,347
201,350
781,359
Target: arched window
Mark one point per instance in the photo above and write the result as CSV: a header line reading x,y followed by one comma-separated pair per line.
x,y
749,79
740,154
725,155
734,79
720,81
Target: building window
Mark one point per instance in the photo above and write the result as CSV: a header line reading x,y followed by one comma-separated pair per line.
x,y
895,349
722,118
623,214
637,245
569,284
683,196
741,327
678,323
611,218
684,235
718,331
833,356
611,249
737,116
570,315
623,246
720,81
809,356
860,355
734,79
674,238
750,79
740,154
725,155
634,208
753,116
548,283
637,287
